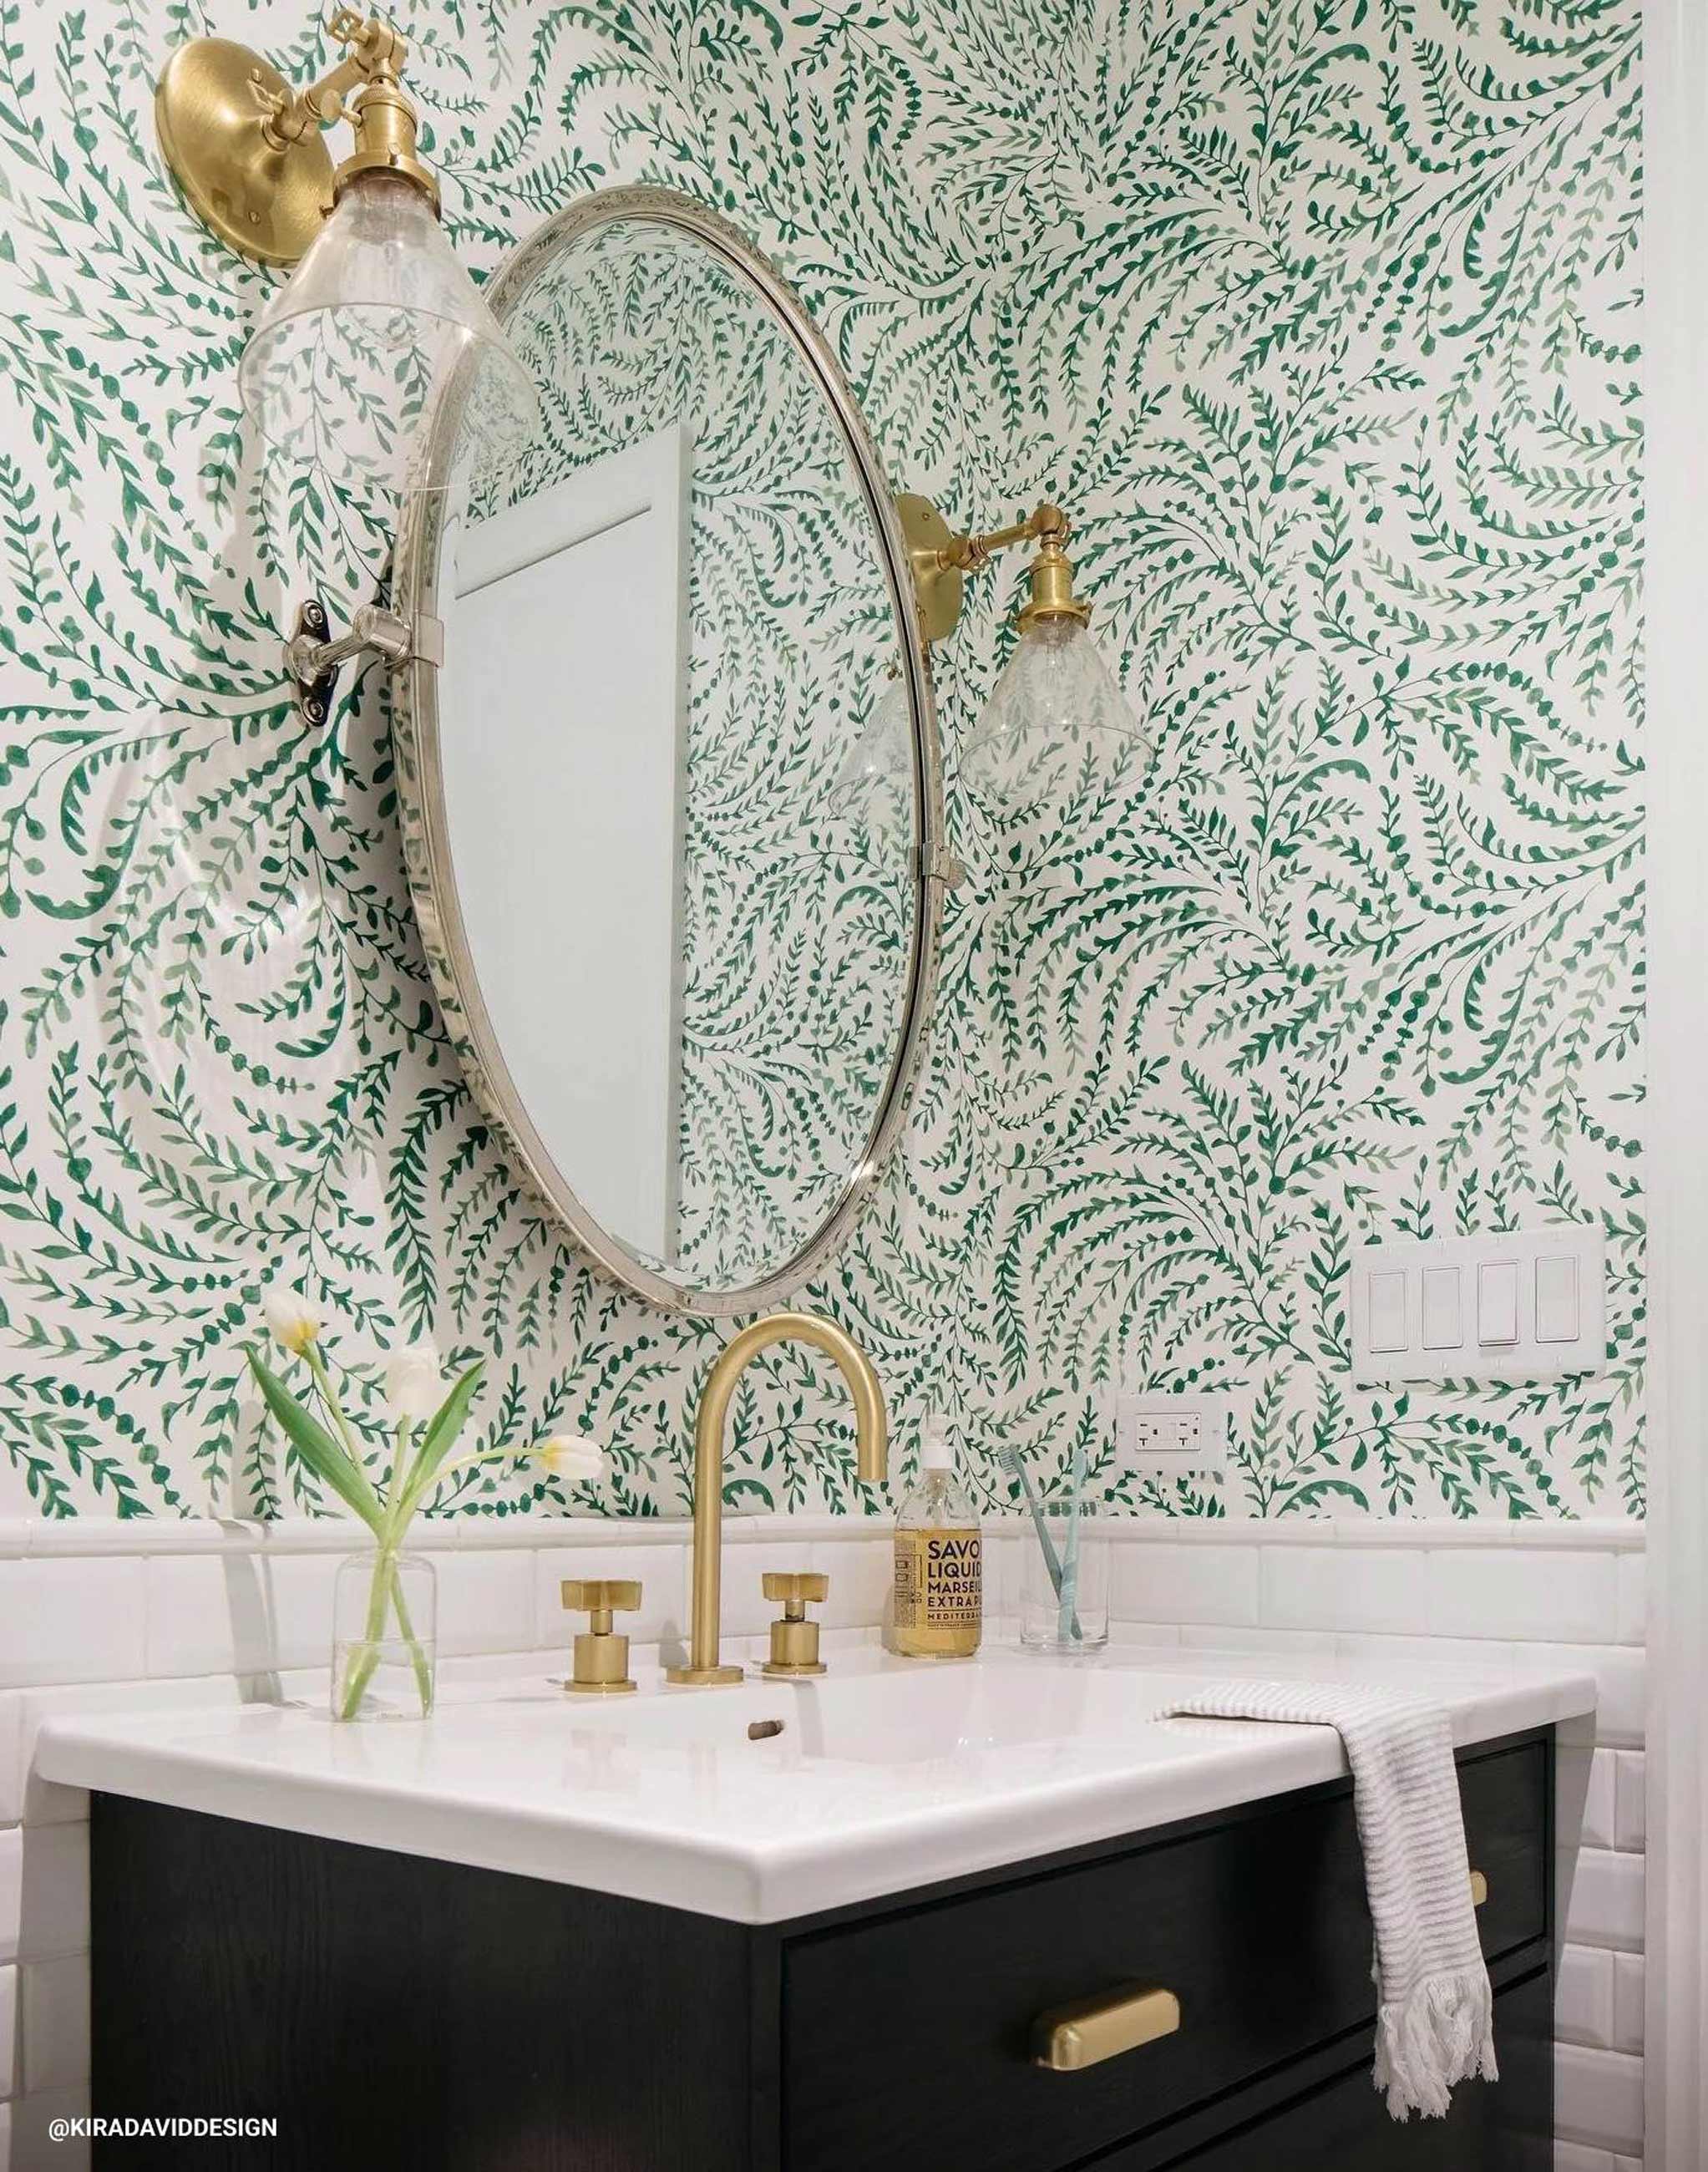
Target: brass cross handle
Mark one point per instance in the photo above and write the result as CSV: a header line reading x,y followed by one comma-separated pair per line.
x,y
601,1667
601,1598
794,1639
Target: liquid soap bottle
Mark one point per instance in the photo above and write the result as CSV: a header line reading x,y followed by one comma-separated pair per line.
x,y
939,1559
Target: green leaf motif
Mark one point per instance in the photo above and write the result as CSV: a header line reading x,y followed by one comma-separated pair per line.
x,y
1320,317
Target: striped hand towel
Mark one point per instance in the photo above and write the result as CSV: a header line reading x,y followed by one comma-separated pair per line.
x,y
1435,2019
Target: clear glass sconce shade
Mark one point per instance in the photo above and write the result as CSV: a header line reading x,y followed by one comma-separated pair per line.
x,y
874,785
1057,724
377,325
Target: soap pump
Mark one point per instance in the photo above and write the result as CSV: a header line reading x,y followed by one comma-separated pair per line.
x,y
939,1557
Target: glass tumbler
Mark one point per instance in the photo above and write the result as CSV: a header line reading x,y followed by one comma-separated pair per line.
x,y
1064,1583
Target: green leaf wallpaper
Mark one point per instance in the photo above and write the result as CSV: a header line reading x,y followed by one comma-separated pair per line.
x,y
1319,315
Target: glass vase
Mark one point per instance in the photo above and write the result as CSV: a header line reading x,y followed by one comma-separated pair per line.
x,y
384,1622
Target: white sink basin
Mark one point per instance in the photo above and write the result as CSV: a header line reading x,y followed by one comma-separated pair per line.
x,y
924,1715
771,1799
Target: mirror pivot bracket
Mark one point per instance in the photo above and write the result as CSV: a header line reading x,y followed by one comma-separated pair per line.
x,y
314,659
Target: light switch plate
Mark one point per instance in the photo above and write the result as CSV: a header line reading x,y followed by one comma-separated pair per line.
x,y
1520,1304
1171,1434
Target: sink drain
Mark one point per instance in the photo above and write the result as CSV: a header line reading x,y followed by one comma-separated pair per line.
x,y
761,1730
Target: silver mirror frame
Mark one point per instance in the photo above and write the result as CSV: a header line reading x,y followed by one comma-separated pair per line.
x,y
415,717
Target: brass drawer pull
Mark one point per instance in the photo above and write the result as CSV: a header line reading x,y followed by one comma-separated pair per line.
x,y
1071,2037
1479,1889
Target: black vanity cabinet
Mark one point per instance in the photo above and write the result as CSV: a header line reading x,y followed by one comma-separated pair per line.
x,y
394,2012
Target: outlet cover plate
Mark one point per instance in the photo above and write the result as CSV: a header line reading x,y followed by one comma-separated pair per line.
x,y
1171,1434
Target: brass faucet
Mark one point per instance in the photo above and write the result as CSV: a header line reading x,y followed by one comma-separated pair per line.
x,y
872,1455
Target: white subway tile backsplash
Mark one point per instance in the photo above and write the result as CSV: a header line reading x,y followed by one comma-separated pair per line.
x,y
485,1601
1630,1820
55,1911
193,1617
294,1593
74,1620
1382,1590
55,2006
1185,1584
862,1572
1600,1801
1299,1588
1584,1996
1598,2097
1572,1597
1628,1984
1604,1907
1619,1673
1632,1580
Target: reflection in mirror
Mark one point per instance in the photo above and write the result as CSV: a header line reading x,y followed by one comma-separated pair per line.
x,y
677,750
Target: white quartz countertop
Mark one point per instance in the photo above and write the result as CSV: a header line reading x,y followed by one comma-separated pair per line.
x,y
888,1774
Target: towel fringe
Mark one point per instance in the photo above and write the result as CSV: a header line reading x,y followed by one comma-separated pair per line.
x,y
1444,2033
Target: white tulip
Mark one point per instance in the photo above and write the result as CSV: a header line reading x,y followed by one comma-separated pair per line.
x,y
291,1318
414,1384
579,1458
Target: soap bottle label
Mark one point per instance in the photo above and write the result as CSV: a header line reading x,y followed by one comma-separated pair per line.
x,y
939,1603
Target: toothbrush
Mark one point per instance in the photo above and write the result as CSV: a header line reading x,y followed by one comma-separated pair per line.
x,y
1068,1624
1009,1459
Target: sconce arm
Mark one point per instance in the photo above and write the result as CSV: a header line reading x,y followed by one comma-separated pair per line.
x,y
970,554
313,657
375,49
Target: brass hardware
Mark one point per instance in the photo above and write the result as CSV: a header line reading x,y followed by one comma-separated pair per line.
x,y
941,559
872,1453
1479,1889
245,148
1070,2038
794,1639
263,200
601,1664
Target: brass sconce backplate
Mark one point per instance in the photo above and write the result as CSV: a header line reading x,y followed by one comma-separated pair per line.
x,y
267,203
938,587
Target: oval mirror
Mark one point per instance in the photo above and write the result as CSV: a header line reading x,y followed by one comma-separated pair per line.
x,y
669,798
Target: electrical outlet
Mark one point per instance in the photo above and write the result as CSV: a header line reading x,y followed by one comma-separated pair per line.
x,y
1171,1433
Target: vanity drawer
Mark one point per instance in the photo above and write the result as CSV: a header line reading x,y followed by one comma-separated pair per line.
x,y
907,2040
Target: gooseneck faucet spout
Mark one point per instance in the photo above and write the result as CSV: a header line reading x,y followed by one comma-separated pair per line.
x,y
872,1460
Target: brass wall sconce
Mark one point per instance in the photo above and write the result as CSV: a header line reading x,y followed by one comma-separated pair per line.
x,y
350,363
941,559
1057,714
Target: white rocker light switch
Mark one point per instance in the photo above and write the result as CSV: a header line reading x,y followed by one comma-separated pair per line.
x,y
1556,1300
1444,1308
1513,1304
1497,1302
